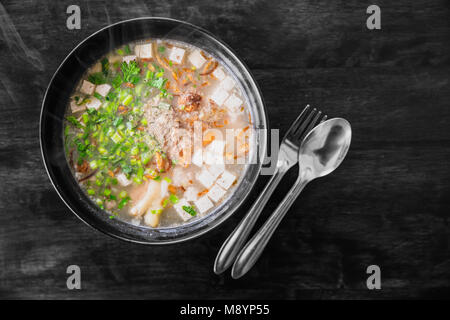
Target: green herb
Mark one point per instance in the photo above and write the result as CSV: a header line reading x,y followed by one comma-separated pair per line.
x,y
173,198
158,83
74,121
190,210
123,194
168,180
117,81
97,78
149,75
127,49
161,49
127,169
111,96
98,96
127,100
123,202
130,72
105,66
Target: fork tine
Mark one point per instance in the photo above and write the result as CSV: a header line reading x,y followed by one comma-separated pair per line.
x,y
303,126
312,124
300,119
325,117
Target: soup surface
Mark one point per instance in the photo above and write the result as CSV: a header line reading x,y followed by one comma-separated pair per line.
x,y
157,133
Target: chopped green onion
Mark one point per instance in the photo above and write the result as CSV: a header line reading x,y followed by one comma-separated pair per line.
x,y
173,198
116,137
93,164
123,194
123,202
158,211
127,100
168,179
190,210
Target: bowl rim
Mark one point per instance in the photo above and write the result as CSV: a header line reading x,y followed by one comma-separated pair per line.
x,y
224,216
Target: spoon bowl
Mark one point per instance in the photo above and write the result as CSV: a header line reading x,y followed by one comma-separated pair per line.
x,y
324,148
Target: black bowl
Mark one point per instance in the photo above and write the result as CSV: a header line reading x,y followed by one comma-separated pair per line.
x,y
56,99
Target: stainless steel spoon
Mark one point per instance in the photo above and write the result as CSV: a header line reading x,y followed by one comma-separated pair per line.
x,y
321,152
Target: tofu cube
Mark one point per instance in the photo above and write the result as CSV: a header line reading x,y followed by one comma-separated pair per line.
x,y
128,59
76,108
203,204
216,146
94,103
216,170
191,193
87,87
197,158
179,209
164,189
216,193
136,221
233,103
205,178
181,177
176,55
213,154
219,74
143,51
103,89
123,180
213,159
226,180
196,59
227,84
219,96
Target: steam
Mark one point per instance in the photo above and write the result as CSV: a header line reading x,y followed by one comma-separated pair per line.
x,y
15,50
15,44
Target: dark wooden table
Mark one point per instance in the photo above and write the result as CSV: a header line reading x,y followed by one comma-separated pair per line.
x,y
387,205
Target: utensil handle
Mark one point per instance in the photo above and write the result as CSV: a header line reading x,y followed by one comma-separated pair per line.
x,y
253,249
231,246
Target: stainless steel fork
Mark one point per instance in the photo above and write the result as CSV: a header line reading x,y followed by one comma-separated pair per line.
x,y
287,157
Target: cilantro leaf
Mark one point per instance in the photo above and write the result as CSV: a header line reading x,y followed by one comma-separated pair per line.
x,y
158,83
97,78
117,81
130,72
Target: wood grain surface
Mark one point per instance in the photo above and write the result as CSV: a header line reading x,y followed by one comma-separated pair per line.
x,y
388,204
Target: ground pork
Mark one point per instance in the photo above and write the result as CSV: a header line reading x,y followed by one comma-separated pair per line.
x,y
164,126
173,127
